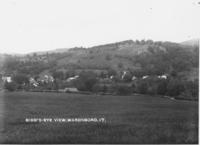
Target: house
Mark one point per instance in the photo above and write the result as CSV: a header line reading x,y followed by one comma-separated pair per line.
x,y
144,77
72,78
33,82
72,90
133,78
111,77
162,77
45,78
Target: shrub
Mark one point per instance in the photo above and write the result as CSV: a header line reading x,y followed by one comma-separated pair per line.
x,y
142,87
80,85
152,89
123,90
20,79
96,88
12,86
175,87
127,77
162,87
86,81
191,90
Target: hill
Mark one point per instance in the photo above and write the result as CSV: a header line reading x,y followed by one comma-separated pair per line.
x,y
125,55
111,68
192,42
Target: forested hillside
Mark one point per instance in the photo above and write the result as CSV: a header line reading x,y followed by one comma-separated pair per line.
x,y
136,58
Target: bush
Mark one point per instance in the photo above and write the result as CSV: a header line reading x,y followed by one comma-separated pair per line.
x,y
80,85
96,88
127,77
162,87
175,87
100,88
152,89
191,91
20,79
12,86
123,90
86,81
142,87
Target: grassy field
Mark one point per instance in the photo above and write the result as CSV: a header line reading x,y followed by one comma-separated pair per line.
x,y
129,119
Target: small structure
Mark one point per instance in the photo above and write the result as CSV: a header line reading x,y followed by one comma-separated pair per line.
x,y
162,77
124,74
72,78
46,78
144,77
7,79
70,90
33,82
133,78
49,78
111,77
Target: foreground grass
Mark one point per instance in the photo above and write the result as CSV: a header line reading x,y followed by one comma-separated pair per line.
x,y
129,119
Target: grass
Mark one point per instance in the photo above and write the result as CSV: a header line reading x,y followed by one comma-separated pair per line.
x,y
129,119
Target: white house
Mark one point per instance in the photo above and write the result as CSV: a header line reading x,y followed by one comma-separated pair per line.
x,y
162,77
71,90
144,77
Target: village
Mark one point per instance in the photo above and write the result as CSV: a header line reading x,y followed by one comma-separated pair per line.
x,y
106,83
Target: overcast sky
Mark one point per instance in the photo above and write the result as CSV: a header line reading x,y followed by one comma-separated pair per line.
x,y
38,25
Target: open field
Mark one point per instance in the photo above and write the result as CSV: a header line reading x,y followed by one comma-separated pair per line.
x,y
129,119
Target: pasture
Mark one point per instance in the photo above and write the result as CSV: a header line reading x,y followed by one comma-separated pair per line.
x,y
129,119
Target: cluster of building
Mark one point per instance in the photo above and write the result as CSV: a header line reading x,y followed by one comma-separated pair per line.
x,y
47,78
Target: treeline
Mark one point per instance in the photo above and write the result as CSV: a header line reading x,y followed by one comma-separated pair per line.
x,y
89,81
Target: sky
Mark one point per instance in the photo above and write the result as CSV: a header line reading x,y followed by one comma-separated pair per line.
x,y
39,25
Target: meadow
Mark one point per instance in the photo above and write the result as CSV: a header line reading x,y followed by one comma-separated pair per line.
x,y
129,119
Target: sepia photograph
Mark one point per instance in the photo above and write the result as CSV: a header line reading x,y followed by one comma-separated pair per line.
x,y
99,71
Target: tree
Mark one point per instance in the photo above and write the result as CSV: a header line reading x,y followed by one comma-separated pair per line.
x,y
191,90
86,81
175,87
112,72
142,87
108,57
120,65
58,75
127,77
12,86
123,90
21,79
162,87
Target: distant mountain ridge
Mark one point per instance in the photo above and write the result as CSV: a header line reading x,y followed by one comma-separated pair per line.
x,y
122,45
192,42
126,44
